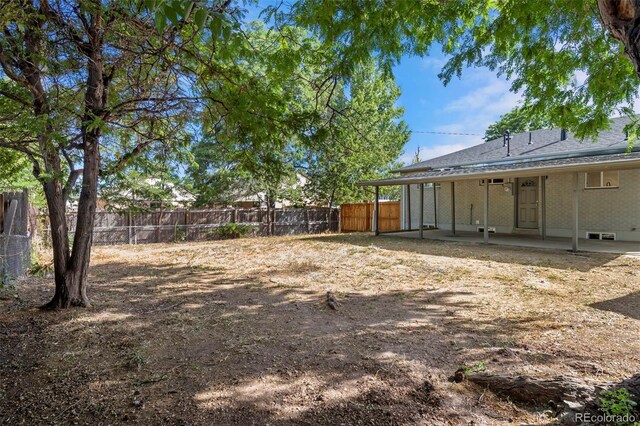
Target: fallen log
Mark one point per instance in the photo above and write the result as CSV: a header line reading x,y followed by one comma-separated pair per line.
x,y
530,390
570,398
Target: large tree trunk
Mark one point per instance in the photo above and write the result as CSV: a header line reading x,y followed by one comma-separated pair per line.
x,y
71,268
621,19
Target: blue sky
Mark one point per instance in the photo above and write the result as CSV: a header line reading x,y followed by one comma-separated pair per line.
x,y
466,105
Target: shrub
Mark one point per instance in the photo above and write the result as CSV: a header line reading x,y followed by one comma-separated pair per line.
x,y
618,403
231,230
478,367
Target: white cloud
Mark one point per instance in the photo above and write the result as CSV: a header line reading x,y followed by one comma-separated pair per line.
x,y
492,97
487,98
433,63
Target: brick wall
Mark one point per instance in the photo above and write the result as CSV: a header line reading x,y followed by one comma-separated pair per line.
x,y
601,210
467,193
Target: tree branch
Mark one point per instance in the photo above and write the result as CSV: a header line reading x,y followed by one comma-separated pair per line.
x,y
72,33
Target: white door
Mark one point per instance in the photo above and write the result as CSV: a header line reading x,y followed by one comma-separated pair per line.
x,y
528,203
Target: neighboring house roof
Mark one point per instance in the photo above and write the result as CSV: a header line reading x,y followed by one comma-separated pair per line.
x,y
545,144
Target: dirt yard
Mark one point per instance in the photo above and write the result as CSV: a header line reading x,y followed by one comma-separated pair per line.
x,y
239,332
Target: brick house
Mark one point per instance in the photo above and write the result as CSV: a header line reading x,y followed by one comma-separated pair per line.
x,y
544,183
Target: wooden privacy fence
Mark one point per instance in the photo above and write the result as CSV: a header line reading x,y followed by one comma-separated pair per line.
x,y
199,224
359,217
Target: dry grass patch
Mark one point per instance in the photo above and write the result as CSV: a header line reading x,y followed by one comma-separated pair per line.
x,y
238,332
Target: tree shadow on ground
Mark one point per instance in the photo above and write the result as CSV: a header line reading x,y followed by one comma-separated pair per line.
x,y
628,305
189,344
553,258
183,345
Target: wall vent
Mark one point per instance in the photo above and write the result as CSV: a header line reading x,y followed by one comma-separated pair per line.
x,y
492,229
607,236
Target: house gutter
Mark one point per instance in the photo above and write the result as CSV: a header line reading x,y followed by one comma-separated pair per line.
x,y
583,153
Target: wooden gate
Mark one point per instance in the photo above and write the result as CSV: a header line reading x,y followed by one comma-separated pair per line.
x,y
359,217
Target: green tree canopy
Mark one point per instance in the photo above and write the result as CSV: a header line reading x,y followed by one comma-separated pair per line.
x,y
557,53
361,143
87,86
285,118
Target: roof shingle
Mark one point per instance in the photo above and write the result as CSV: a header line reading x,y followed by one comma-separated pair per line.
x,y
544,143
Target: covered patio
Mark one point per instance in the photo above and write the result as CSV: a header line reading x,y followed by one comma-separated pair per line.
x,y
631,248
525,179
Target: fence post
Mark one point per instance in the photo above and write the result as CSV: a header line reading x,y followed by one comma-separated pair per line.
x,y
273,222
376,212
186,224
129,225
158,227
306,214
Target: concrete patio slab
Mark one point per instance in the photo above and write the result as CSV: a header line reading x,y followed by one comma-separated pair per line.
x,y
631,248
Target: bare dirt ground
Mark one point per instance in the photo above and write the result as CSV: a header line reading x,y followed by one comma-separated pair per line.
x,y
238,332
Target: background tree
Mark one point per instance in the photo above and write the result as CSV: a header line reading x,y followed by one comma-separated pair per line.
x,y
332,131
517,120
80,72
153,179
360,143
253,117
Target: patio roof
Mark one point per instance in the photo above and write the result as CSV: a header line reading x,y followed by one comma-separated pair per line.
x,y
516,169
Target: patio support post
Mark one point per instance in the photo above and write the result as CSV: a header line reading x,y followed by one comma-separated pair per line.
x,y
576,189
435,206
409,207
543,213
420,224
453,208
376,211
486,211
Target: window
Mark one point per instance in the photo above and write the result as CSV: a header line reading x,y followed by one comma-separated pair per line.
x,y
604,179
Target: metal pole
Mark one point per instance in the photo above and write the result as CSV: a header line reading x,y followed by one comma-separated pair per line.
x,y
409,207
376,210
543,213
435,206
421,210
453,208
486,211
576,183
